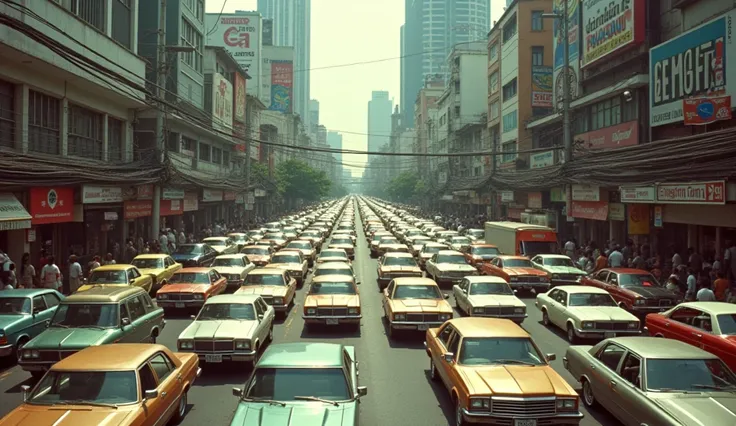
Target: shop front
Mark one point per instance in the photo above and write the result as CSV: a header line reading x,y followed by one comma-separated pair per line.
x,y
190,204
104,230
171,212
211,203
15,222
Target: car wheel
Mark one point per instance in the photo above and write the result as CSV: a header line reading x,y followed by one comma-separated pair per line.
x,y
181,410
571,336
270,334
545,318
433,371
588,397
459,419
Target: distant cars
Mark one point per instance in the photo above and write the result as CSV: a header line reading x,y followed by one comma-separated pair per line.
x,y
234,267
519,272
485,296
222,245
560,268
259,255
194,254
293,262
394,265
306,249
159,266
333,255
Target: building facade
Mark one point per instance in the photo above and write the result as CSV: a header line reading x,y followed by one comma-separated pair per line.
x,y
380,108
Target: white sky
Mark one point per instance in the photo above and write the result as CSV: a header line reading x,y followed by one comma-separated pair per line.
x,y
343,32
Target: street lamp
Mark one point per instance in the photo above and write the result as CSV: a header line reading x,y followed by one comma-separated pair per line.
x,y
562,19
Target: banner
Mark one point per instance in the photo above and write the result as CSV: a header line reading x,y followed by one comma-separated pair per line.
x,y
222,103
638,219
239,98
542,87
573,37
610,26
240,34
51,205
701,111
278,77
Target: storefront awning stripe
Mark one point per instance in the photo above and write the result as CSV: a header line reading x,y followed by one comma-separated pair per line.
x,y
12,213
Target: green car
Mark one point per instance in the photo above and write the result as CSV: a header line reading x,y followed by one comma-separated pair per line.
x,y
24,314
305,384
560,268
100,315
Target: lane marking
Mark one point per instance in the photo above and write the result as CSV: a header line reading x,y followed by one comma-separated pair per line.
x,y
6,374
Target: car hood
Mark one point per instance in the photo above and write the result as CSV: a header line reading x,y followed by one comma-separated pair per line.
x,y
290,266
601,313
421,305
258,257
567,270
182,256
225,329
516,381
9,321
331,259
342,246
69,338
230,269
263,290
308,414
69,415
524,271
183,288
151,271
220,249
455,267
652,292
714,408
329,300
400,269
495,300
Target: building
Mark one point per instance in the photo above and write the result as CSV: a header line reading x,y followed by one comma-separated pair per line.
x,y
425,116
334,140
379,120
313,116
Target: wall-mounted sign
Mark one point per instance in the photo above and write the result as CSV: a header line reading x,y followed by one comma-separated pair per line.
x,y
542,86
538,160
638,219
534,200
639,194
172,194
658,215
595,210
135,209
702,111
101,194
209,195
144,192
616,211
52,205
191,202
586,193
618,136
611,26
692,193
507,196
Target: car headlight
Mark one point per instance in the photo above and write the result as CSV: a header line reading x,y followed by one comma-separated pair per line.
x,y
399,317
587,324
353,311
478,310
242,345
512,279
445,317
555,276
278,300
311,311
640,302
480,404
31,354
634,325
186,344
198,296
567,404
520,310
162,296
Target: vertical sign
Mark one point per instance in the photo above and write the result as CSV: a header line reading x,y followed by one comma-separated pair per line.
x,y
573,38
541,87
276,83
240,34
267,32
222,103
239,99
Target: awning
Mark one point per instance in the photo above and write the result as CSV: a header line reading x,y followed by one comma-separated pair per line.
x,y
12,213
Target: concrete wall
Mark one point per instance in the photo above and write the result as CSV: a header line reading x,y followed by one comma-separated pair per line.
x,y
473,86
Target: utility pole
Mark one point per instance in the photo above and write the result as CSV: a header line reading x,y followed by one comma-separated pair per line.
x,y
567,138
161,69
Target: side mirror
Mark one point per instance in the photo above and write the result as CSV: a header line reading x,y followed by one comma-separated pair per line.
x,y
150,394
237,392
550,357
193,316
357,282
260,317
447,296
132,280
362,391
449,357
125,321
26,390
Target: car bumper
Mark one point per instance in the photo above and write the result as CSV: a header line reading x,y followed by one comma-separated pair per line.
x,y
280,308
454,279
645,310
605,334
6,350
234,283
213,357
518,318
180,304
354,319
418,326
492,419
556,283
537,287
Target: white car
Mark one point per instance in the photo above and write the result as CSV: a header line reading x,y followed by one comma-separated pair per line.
x,y
234,267
223,245
448,266
586,313
486,296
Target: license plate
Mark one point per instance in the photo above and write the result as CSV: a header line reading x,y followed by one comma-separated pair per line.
x,y
178,305
332,321
525,422
422,327
213,358
609,334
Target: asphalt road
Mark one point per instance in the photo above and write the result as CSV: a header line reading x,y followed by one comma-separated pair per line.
x,y
396,373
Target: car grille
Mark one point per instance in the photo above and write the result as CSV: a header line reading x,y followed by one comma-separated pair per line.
x,y
612,325
568,277
520,407
54,356
531,279
213,346
423,317
659,302
459,274
180,296
503,310
268,300
332,312
233,277
665,302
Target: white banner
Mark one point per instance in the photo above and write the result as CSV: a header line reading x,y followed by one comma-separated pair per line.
x,y
222,103
240,34
101,194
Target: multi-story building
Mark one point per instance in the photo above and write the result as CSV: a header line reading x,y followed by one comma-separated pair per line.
x,y
313,121
425,113
379,120
334,140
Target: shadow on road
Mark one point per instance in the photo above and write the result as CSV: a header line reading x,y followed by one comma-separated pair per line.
x,y
403,339
232,373
17,388
340,331
443,397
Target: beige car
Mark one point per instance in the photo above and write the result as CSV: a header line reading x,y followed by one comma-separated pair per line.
x,y
234,267
428,250
273,284
334,268
414,304
222,245
306,249
448,266
333,255
293,262
343,242
394,265
332,300
486,296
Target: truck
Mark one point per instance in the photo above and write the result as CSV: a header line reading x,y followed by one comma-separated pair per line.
x,y
521,239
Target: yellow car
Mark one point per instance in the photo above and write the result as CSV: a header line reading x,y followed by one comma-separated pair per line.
x,y
159,266
118,275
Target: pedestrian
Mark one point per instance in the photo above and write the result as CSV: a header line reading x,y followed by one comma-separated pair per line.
x,y
705,294
51,275
94,264
163,241
692,285
673,284
109,260
676,258
11,281
628,251
75,274
182,237
27,271
570,248
601,261
638,261
130,252
721,286
695,260
616,258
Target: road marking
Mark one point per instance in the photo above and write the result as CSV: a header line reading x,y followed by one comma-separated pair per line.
x,y
6,374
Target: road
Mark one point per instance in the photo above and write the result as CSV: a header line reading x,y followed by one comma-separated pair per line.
x,y
396,373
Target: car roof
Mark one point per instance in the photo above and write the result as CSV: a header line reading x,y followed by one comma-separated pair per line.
x,y
230,256
627,270
435,244
115,267
414,281
581,289
508,256
483,245
334,249
150,256
25,292
214,238
485,279
267,271
398,254
284,251
232,298
449,252
658,348
554,256
331,265
194,270
488,327
333,277
120,356
302,354
715,308
104,293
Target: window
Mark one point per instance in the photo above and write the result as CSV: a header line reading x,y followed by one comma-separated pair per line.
x,y
225,158
191,37
188,144
204,152
85,133
51,299
148,380
115,140
39,305
510,121
495,110
509,30
216,155
90,11
493,82
509,90
136,309
44,114
509,152
537,20
611,356
537,55
7,114
162,365
493,52
121,24
605,113
631,369
630,111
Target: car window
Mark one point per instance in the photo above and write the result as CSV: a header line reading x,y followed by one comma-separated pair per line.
x,y
147,378
703,322
685,315
135,273
262,304
537,259
162,365
445,334
124,311
602,276
611,355
39,305
51,300
131,275
454,344
135,308
562,297
631,370
390,288
259,309
145,299
613,279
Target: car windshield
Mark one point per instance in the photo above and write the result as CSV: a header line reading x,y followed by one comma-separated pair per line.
x,y
239,238
341,241
592,299
258,251
517,263
490,288
637,280
148,263
399,261
285,258
301,246
221,311
214,243
232,261
486,251
264,279
285,384
80,387
417,292
377,237
558,261
389,241
432,249
334,253
460,240
727,324
477,233
332,288
274,236
189,249
332,271
695,375
85,315
456,259
190,278
311,234
108,277
503,350
15,305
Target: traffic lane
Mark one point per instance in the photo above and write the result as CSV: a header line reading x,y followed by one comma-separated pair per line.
x,y
12,378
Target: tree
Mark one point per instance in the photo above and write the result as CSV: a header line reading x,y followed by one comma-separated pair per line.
x,y
404,186
297,180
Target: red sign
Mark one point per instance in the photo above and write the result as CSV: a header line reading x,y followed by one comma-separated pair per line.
x,y
52,205
239,99
145,192
596,210
135,209
229,196
234,37
700,111
692,193
624,134
534,200
172,207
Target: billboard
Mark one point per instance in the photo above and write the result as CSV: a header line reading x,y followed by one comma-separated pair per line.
x,y
573,37
222,103
240,34
610,26
695,64
267,32
277,78
239,98
541,87
702,111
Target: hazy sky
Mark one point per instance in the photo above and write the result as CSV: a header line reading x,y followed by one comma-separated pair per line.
x,y
344,32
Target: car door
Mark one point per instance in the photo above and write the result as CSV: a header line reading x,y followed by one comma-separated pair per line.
x,y
598,279
549,302
447,368
41,315
461,295
626,390
679,325
603,371
154,409
559,315
432,266
170,384
138,330
439,347
268,318
214,287
387,293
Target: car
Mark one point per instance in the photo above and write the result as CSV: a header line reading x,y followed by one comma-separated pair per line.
x,y
654,381
459,243
229,327
585,313
333,255
306,249
222,245
560,268
258,254
118,275
635,290
293,262
478,253
390,244
416,242
315,237
345,243
394,265
159,266
190,287
24,314
428,250
234,267
496,374
484,296
241,239
414,304
332,300
448,266
98,316
376,240
124,384
519,272
707,325
307,380
194,254
279,239
334,268
474,234
275,285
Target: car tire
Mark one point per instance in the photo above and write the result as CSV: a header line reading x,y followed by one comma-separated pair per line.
x,y
270,334
18,347
588,396
433,371
459,419
181,409
571,336
545,318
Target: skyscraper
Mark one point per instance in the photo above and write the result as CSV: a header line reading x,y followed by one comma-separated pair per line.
x,y
334,140
313,115
292,27
431,28
379,120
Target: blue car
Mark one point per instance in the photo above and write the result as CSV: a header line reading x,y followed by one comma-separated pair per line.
x,y
24,314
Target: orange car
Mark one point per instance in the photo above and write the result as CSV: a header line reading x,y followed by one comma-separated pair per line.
x,y
414,303
479,253
258,254
519,272
190,287
274,285
394,265
123,384
495,372
332,300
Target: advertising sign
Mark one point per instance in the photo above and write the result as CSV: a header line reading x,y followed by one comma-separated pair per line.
x,y
144,192
542,87
240,34
701,111
658,216
541,159
573,37
239,99
172,194
695,64
692,193
586,193
278,77
51,205
610,26
135,209
211,195
172,207
267,32
618,136
507,196
596,210
13,215
638,219
222,103
616,211
534,200
641,194
101,194
191,202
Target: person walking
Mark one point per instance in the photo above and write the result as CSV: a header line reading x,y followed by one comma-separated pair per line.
x,y
75,274
27,271
51,275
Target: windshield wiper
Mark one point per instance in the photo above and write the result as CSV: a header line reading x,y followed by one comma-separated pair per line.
x,y
265,401
715,387
512,361
58,324
85,402
90,326
314,398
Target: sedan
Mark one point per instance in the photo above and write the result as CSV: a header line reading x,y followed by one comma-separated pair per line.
x,y
485,296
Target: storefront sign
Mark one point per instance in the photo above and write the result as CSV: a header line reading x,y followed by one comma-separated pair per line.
x,y
638,219
52,205
514,213
111,216
262,193
621,135
542,86
172,207
101,194
658,214
541,159
702,111
611,26
240,199
12,213
251,199
639,194
586,193
145,192
31,235
507,196
172,194
692,193
596,210
211,195
135,209
534,200
229,195
191,202
616,211
557,195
